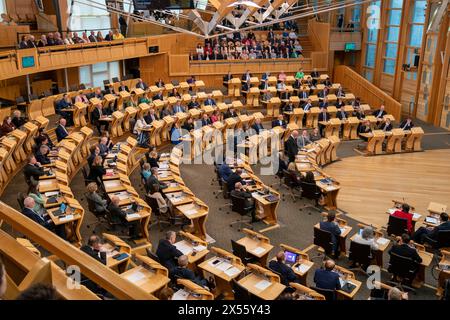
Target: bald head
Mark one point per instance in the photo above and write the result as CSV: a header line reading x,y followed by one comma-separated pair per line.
x,y
280,256
115,200
295,133
329,265
28,202
183,261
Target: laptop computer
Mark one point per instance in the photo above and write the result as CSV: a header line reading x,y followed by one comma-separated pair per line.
x,y
290,258
61,210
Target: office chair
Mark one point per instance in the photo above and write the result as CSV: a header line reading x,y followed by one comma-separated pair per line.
x,y
292,184
219,180
240,206
310,191
324,240
330,295
151,255
162,217
240,252
239,292
442,240
20,199
360,254
100,216
403,270
113,224
278,176
397,226
85,177
106,84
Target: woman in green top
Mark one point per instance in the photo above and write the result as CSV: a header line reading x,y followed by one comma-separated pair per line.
x,y
38,198
300,74
144,99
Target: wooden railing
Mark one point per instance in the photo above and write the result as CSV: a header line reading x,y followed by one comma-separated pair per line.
x,y
364,89
91,268
338,40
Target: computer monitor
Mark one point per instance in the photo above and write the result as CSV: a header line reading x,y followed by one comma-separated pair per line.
x,y
28,62
290,257
350,46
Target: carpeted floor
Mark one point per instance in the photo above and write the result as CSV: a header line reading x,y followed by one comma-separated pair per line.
x,y
296,225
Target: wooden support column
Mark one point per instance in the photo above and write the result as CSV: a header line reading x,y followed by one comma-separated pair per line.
x,y
381,47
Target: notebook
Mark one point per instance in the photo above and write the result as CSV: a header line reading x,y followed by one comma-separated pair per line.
x,y
258,250
263,284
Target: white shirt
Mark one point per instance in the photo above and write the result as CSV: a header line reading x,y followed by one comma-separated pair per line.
x,y
371,242
140,123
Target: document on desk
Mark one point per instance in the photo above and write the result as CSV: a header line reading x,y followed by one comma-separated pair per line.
x,y
258,250
199,248
303,268
180,295
343,229
45,182
190,212
173,184
184,247
382,241
163,166
133,216
231,272
177,199
223,266
416,216
122,195
135,277
66,218
50,193
431,220
263,284
392,210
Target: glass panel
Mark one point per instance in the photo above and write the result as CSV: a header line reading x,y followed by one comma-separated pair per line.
x,y
114,69
98,78
395,17
2,6
85,75
419,11
389,66
370,55
368,74
393,33
416,35
100,67
397,3
391,50
372,35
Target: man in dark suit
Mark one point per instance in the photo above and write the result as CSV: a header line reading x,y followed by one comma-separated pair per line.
x,y
92,37
421,235
166,252
123,87
158,96
404,249
231,113
94,249
291,146
104,147
98,94
153,179
118,215
341,114
246,76
33,169
324,104
193,104
159,83
225,171
364,128
280,122
315,73
61,131
181,271
239,191
209,101
326,278
286,273
380,113
332,227
234,178
206,121
141,85
151,116
406,124
386,126
226,79
96,114
257,126
44,220
303,94
178,108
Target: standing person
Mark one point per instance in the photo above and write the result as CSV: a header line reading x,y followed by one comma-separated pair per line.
x,y
123,25
291,147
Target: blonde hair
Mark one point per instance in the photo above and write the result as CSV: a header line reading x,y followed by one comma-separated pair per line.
x,y
291,166
92,187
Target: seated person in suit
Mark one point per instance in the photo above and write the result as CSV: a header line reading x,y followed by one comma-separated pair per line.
x,y
315,73
167,253
97,170
61,131
205,120
380,113
153,179
181,271
364,128
340,103
209,101
279,122
42,219
324,103
99,203
159,83
323,117
332,227
118,215
323,94
123,87
406,124
193,103
304,93
33,169
42,155
240,192
386,126
96,249
151,116
226,79
96,115
17,120
286,273
367,236
315,135
225,171
282,90
141,85
178,108
6,127
42,136
289,107
405,248
341,114
422,233
294,174
340,92
189,124
142,135
165,112
326,278
303,140
175,93
105,146
94,152
230,113
158,96
234,178
257,126
405,214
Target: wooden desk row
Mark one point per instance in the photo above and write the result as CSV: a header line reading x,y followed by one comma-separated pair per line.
x,y
15,147
311,158
395,141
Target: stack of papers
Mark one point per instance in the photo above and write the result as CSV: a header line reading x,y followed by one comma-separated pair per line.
x,y
231,272
416,215
180,295
263,284
123,195
382,241
50,193
199,248
190,212
302,268
343,229
431,220
392,210
258,250
184,247
133,215
135,277
66,218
